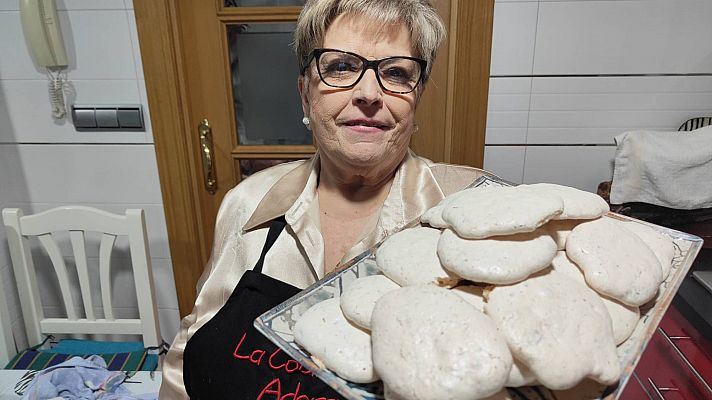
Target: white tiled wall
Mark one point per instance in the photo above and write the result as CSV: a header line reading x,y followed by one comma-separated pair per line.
x,y
623,37
506,161
104,68
45,163
579,166
567,76
577,110
508,110
513,37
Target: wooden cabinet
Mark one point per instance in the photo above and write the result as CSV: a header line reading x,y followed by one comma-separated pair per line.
x,y
676,365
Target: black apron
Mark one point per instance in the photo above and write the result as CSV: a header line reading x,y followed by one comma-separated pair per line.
x,y
228,358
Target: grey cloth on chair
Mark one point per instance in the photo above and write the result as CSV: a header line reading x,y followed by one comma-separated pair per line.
x,y
669,169
81,379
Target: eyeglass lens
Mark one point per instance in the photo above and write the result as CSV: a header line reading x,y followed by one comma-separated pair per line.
x,y
396,74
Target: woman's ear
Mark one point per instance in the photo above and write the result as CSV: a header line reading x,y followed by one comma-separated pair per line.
x,y
419,92
302,84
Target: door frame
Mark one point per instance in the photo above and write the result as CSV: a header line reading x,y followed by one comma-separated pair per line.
x,y
468,62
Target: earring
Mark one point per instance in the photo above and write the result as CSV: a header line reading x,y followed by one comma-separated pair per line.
x,y
415,128
305,121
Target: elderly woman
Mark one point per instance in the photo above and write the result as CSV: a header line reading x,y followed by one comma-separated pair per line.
x,y
364,67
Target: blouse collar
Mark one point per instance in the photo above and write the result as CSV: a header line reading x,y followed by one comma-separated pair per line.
x,y
413,191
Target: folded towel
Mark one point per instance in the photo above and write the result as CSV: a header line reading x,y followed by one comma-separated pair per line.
x,y
669,169
81,379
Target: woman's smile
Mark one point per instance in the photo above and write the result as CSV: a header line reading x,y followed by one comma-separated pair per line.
x,y
365,125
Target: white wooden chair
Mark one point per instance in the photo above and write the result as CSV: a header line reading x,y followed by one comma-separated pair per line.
x,y
77,220
7,341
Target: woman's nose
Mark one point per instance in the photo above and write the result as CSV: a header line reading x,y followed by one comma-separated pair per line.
x,y
368,91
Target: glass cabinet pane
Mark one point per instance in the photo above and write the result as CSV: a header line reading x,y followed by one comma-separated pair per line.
x,y
264,74
263,3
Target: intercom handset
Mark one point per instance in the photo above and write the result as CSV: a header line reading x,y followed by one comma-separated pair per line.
x,y
40,25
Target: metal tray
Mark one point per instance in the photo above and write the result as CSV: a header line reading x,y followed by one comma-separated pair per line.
x,y
277,323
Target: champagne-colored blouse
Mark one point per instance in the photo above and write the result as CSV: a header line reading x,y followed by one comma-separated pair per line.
x,y
297,257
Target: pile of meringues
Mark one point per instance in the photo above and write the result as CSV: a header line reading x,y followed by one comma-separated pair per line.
x,y
499,287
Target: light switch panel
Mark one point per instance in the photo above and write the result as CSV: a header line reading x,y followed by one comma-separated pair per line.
x,y
130,118
108,118
83,118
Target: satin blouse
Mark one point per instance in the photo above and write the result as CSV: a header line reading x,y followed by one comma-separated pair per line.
x,y
297,257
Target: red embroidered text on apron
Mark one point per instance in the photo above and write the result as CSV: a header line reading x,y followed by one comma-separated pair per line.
x,y
228,358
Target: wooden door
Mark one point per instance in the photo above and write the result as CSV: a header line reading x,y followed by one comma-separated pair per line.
x,y
201,74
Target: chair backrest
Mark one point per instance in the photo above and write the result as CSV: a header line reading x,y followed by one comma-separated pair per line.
x,y
695,123
78,220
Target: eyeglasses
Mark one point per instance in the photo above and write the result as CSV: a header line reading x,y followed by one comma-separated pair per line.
x,y
342,69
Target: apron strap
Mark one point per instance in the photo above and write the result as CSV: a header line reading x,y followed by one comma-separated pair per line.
x,y
275,228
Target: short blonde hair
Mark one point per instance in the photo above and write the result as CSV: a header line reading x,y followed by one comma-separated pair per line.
x,y
426,28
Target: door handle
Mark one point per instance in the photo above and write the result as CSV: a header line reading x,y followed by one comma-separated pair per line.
x,y
206,153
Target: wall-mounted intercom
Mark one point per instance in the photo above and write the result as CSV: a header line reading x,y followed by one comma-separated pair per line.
x,y
40,25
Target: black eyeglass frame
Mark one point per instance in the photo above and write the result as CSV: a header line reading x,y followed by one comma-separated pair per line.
x,y
367,64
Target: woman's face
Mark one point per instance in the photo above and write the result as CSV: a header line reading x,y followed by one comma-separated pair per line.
x,y
362,128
